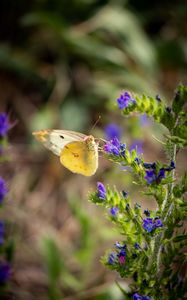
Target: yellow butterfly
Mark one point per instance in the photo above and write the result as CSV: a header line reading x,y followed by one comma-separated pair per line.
x,y
78,152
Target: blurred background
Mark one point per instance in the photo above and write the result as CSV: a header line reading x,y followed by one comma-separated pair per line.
x,y
62,65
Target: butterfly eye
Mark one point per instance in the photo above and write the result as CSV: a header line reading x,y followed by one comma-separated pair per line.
x,y
62,137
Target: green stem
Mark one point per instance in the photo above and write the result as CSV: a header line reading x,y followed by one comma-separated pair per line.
x,y
167,208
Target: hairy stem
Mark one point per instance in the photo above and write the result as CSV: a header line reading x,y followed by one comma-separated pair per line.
x,y
167,208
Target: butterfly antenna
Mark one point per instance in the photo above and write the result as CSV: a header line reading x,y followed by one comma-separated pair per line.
x,y
96,122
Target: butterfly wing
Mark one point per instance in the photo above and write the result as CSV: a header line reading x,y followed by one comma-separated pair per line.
x,y
80,157
55,140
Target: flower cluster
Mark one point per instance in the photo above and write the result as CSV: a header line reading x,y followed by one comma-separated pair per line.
x,y
144,256
137,145
101,190
113,211
136,296
5,272
115,147
2,229
5,269
125,100
118,256
4,124
3,189
149,224
155,176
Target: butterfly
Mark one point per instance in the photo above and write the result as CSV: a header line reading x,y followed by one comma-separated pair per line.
x,y
78,152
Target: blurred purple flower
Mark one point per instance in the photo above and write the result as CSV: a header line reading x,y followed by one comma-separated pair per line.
x,y
113,131
158,98
137,145
114,211
101,190
5,271
112,258
4,124
3,189
136,296
2,227
125,100
144,121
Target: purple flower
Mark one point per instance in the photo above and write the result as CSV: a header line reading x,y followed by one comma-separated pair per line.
x,y
149,165
137,145
4,272
158,98
112,258
155,175
114,211
137,246
125,100
161,175
2,227
4,124
113,131
101,190
136,296
125,194
120,246
122,256
147,212
3,189
171,166
150,176
150,224
115,147
138,160
158,222
144,121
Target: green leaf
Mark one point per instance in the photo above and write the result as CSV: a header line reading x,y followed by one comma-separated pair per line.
x,y
181,131
52,258
180,238
177,140
180,98
184,182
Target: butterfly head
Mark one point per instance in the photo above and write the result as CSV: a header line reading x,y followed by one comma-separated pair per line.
x,y
90,142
